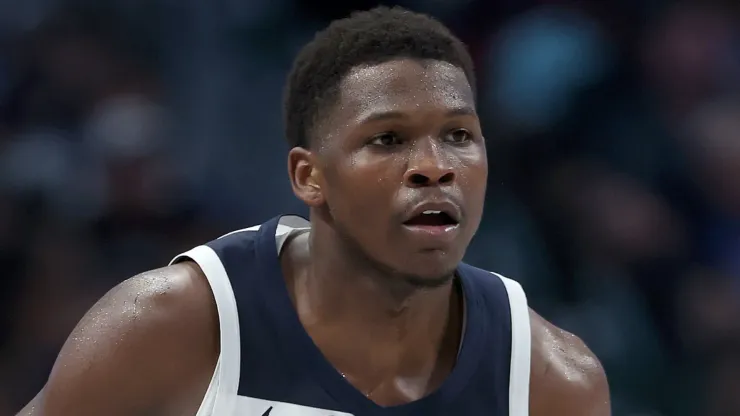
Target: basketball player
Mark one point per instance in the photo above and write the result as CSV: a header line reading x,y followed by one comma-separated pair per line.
x,y
367,309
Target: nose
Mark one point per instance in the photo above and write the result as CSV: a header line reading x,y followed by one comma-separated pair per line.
x,y
427,166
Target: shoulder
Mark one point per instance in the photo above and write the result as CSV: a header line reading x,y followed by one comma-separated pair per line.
x,y
566,377
128,351
176,299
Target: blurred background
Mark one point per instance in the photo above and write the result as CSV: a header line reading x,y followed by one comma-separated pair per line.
x,y
132,130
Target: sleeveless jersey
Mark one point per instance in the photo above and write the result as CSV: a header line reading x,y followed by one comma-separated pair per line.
x,y
268,364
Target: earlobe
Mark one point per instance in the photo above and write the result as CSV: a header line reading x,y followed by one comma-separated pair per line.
x,y
305,176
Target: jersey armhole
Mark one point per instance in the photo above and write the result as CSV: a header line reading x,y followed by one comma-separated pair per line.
x,y
225,379
521,349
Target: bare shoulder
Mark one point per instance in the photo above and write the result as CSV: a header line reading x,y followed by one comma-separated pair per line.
x,y
153,336
566,377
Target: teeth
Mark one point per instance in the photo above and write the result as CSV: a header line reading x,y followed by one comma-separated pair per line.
x,y
430,212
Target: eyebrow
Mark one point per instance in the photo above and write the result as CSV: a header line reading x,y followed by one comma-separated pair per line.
x,y
392,114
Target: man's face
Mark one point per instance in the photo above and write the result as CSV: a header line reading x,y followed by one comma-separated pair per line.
x,y
403,166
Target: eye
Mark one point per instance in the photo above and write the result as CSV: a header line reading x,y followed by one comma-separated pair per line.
x,y
458,136
385,139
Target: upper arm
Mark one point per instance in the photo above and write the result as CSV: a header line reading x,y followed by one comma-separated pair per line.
x,y
567,378
151,339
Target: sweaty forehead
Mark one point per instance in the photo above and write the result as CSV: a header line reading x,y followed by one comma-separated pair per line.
x,y
404,85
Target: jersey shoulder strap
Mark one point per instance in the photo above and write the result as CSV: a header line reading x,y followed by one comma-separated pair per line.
x,y
521,348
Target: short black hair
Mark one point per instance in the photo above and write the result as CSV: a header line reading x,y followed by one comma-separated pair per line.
x,y
368,37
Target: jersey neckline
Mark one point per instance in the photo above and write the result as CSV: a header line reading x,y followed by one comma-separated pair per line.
x,y
304,353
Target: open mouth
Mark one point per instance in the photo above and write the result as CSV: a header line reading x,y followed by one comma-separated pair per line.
x,y
431,218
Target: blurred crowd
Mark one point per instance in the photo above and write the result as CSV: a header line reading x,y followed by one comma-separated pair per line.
x,y
132,130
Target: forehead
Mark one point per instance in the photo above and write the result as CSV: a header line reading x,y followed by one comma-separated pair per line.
x,y
405,86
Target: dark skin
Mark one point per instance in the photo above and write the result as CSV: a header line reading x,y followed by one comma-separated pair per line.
x,y
379,301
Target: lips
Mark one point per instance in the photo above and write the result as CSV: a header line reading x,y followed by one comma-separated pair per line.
x,y
431,214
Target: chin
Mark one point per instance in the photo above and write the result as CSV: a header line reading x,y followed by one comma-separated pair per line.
x,y
428,273
429,282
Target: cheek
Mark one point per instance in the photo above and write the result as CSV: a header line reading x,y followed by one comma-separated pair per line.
x,y
473,171
360,192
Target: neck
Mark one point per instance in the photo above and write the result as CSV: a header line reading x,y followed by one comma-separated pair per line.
x,y
372,326
350,285
335,293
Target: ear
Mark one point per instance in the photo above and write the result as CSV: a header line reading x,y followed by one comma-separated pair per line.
x,y
305,176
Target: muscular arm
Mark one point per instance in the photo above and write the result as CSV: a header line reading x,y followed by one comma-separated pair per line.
x,y
148,347
567,378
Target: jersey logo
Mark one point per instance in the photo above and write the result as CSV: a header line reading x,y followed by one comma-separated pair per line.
x,y
251,406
